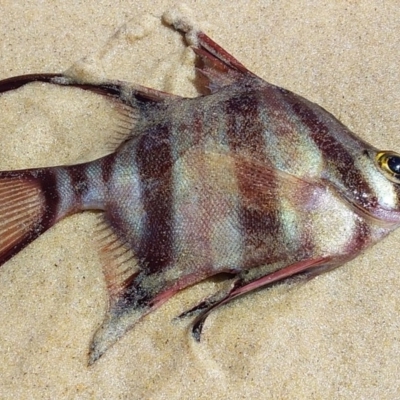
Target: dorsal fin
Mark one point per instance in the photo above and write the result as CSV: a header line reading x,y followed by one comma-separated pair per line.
x,y
125,92
213,52
218,66
127,97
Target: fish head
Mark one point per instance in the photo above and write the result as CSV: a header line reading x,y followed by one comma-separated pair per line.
x,y
370,182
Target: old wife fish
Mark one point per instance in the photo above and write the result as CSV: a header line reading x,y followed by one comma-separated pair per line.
x,y
249,180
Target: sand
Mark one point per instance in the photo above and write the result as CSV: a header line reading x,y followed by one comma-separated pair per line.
x,y
335,337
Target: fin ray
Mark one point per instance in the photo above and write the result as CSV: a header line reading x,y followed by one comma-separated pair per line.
x,y
117,258
22,205
239,288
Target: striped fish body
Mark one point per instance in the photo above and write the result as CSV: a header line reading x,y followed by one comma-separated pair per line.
x,y
249,180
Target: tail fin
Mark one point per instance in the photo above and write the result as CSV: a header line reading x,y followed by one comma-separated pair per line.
x,y
24,211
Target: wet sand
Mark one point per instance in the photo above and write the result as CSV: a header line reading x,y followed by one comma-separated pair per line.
x,y
335,337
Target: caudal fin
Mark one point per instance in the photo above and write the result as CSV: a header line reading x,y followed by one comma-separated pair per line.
x,y
24,214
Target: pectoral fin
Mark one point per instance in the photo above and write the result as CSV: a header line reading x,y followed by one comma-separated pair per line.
x,y
242,287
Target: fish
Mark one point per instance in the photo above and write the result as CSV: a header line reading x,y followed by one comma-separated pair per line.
x,y
247,181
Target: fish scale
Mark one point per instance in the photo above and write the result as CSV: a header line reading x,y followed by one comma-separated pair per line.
x,y
248,180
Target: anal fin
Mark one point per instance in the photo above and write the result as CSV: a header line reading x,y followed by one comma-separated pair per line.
x,y
120,269
118,259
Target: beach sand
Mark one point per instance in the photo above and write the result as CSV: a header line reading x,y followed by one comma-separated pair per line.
x,y
335,337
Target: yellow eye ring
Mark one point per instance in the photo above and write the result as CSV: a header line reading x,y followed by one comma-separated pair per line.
x,y
389,164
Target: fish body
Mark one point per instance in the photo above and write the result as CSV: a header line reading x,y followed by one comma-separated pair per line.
x,y
250,180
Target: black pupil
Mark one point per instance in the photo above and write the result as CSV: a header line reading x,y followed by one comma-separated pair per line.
x,y
393,163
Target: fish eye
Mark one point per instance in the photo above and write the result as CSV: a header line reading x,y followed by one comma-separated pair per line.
x,y
389,163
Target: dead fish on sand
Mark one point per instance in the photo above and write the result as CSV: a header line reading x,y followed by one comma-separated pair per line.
x,y
249,180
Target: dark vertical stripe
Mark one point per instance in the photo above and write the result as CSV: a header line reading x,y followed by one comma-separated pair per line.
x,y
276,116
259,213
360,239
79,182
319,123
244,127
197,127
245,138
48,180
154,161
107,166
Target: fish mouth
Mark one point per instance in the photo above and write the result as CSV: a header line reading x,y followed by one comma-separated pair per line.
x,y
387,218
373,212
